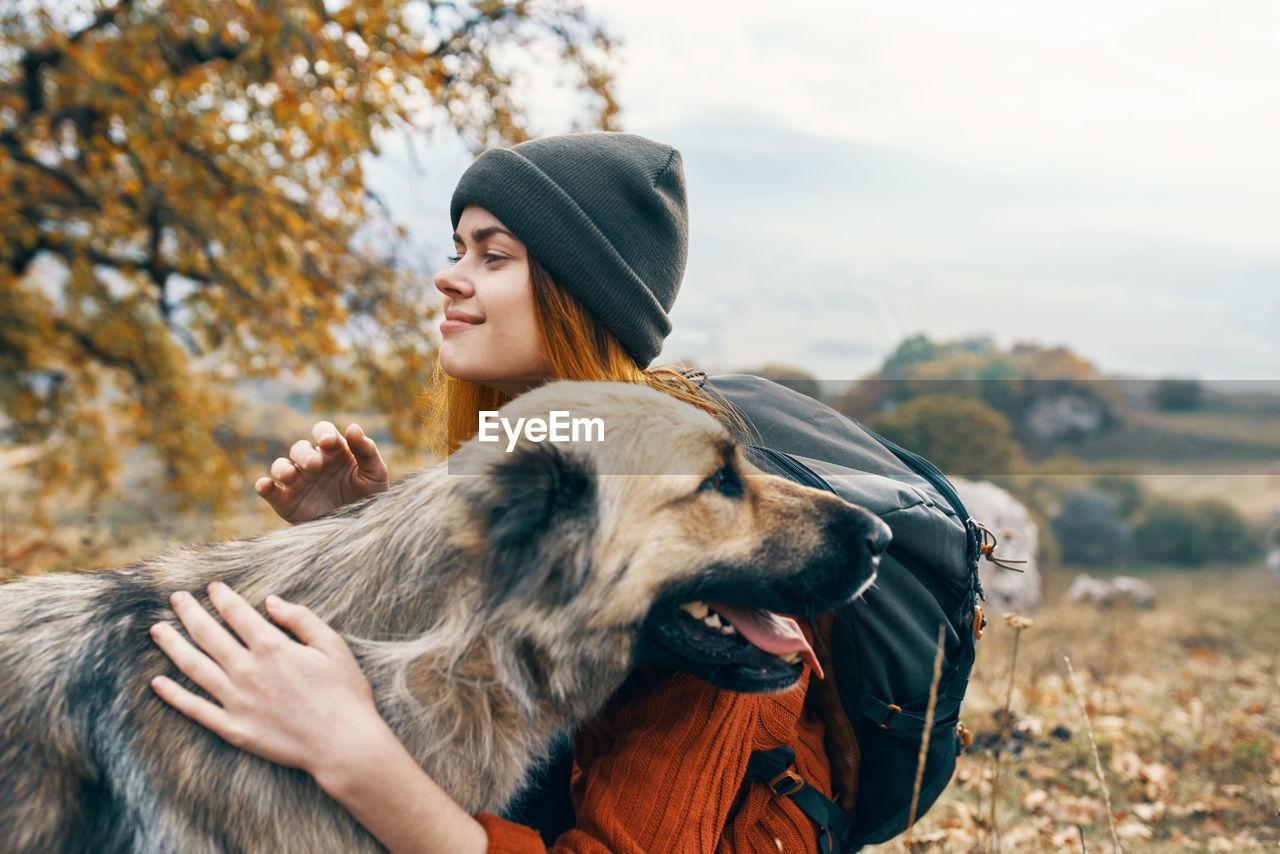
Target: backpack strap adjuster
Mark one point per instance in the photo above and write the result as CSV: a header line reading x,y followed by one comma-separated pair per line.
x,y
776,768
786,783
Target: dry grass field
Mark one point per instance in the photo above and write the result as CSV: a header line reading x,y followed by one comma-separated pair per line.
x,y
1183,707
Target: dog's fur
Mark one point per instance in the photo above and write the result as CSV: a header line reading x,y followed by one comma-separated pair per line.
x,y
489,611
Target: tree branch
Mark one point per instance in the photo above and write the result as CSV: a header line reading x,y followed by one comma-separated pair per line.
x,y
33,61
181,57
24,255
106,357
14,147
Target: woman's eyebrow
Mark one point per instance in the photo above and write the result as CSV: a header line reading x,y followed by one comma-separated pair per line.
x,y
480,235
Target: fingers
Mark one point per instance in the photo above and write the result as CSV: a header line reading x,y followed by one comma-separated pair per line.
x,y
327,439
200,710
326,444
243,619
195,665
216,641
305,625
363,448
316,478
279,496
305,455
370,467
284,470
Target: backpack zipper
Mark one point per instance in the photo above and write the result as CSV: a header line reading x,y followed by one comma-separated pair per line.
x,y
913,461
799,470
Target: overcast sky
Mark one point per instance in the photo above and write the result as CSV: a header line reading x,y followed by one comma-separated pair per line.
x,y
1104,175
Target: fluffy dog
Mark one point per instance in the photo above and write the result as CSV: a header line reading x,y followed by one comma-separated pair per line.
x,y
493,601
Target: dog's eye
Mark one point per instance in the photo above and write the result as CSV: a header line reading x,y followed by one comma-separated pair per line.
x,y
725,481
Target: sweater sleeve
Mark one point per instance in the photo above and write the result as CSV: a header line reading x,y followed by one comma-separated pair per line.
x,y
664,773
507,837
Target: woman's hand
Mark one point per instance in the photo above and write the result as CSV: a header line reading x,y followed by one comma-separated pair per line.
x,y
308,705
324,474
298,704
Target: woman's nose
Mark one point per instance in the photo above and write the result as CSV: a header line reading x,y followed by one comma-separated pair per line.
x,y
452,281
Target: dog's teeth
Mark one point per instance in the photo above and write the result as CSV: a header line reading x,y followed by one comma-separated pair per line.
x,y
791,657
713,620
728,629
697,610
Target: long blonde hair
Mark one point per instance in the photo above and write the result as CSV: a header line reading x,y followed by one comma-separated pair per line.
x,y
575,347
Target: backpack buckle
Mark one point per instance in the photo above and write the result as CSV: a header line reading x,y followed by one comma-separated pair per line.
x,y
787,783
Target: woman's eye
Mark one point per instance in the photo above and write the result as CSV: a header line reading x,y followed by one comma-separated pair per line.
x,y
485,257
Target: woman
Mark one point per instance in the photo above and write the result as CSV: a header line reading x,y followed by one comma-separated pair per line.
x,y
569,251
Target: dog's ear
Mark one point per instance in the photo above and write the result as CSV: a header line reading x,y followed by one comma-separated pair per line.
x,y
538,516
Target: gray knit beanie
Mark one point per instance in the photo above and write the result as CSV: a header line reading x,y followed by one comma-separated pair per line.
x,y
604,213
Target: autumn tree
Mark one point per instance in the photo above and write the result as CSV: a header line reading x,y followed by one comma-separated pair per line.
x,y
182,205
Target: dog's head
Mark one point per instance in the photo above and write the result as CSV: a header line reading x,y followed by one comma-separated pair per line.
x,y
660,544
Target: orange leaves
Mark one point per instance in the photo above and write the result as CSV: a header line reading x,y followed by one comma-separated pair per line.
x,y
180,198
1152,781
1065,808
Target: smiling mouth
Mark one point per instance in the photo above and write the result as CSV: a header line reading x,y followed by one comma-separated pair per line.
x,y
458,323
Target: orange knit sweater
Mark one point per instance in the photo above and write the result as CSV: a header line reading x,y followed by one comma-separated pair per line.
x,y
663,773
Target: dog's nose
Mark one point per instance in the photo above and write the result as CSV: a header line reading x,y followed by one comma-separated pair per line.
x,y
879,538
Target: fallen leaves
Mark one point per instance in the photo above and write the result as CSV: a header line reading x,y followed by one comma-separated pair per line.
x,y
1186,718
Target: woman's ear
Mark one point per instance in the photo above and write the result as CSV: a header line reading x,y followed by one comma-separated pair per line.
x,y
538,512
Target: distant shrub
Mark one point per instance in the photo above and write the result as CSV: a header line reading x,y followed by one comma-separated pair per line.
x,y
1090,528
911,351
1125,489
1232,537
1177,395
1192,533
960,435
1168,531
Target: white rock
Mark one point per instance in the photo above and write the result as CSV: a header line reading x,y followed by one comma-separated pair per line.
x,y
1122,589
1018,536
1065,415
1086,589
1135,591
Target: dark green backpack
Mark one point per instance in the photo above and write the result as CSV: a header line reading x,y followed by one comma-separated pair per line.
x,y
879,650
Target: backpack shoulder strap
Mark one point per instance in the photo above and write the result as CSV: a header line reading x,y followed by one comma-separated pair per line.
x,y
776,769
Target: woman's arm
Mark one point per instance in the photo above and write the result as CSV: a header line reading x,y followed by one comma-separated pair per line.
x,y
388,792
308,705
660,773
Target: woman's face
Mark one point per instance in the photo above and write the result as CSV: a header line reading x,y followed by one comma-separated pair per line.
x,y
489,334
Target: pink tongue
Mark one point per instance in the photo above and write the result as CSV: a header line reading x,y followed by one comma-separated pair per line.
x,y
773,633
